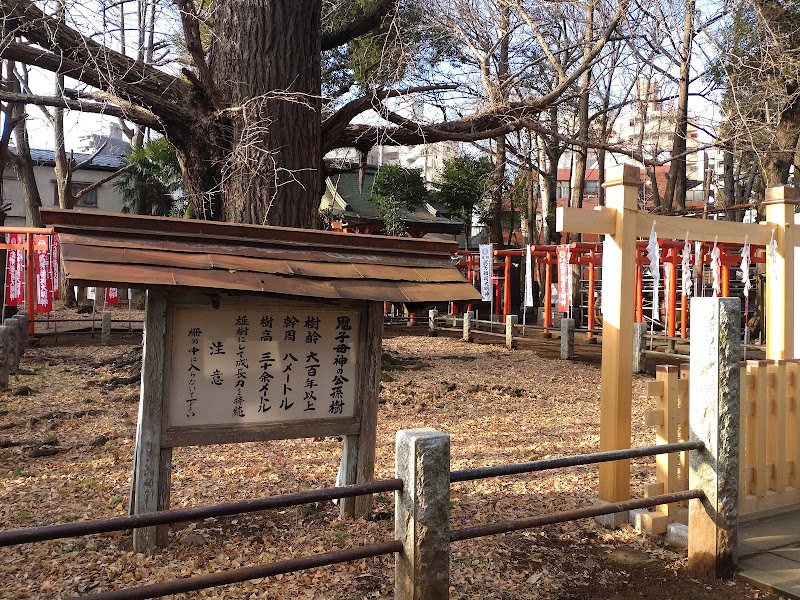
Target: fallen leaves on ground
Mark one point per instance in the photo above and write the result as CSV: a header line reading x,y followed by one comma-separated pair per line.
x,y
498,406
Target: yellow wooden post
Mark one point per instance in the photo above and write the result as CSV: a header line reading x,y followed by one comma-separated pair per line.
x,y
619,253
780,307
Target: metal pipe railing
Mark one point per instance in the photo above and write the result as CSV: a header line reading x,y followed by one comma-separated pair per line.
x,y
201,582
167,517
571,461
469,533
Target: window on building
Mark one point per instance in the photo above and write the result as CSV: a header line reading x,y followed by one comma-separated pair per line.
x,y
88,201
591,187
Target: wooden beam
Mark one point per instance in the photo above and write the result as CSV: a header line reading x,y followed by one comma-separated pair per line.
x,y
619,249
601,220
675,228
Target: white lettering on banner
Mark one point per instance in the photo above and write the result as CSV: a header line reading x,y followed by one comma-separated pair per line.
x,y
486,253
250,365
564,279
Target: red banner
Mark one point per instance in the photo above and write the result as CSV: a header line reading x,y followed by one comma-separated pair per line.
x,y
15,267
564,279
54,262
44,274
112,295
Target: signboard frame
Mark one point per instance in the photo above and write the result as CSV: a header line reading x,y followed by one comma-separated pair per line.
x,y
155,439
197,435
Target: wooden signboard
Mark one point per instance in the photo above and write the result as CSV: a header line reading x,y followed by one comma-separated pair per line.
x,y
221,369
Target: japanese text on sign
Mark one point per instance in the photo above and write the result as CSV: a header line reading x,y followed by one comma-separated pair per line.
x,y
564,279
264,365
486,258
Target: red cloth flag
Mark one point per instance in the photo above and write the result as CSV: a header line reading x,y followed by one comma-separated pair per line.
x,y
15,266
112,295
54,262
44,274
564,279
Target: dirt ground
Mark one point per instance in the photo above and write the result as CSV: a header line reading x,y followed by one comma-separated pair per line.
x,y
66,448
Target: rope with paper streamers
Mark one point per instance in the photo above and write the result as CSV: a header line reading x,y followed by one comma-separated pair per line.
x,y
686,267
745,267
716,264
654,255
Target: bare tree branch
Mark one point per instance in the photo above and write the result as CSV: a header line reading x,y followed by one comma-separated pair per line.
x,y
130,112
383,9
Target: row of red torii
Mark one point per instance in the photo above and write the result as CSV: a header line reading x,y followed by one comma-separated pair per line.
x,y
589,257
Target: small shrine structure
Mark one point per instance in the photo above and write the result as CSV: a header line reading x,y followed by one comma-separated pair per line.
x,y
253,333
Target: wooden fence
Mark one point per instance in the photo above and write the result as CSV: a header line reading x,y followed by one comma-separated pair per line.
x,y
769,472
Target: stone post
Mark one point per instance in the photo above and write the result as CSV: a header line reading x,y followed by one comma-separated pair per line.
x,y
422,515
105,328
510,322
639,346
567,338
22,317
15,349
467,335
432,316
6,349
714,419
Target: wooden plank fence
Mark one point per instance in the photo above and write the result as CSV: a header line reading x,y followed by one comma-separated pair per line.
x,y
769,449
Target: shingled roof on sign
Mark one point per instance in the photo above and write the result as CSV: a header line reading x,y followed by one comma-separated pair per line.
x,y
156,252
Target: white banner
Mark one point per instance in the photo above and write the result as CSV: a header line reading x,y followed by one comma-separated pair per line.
x,y
654,255
528,278
486,252
90,293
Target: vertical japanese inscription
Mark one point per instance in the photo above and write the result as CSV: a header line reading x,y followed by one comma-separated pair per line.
x,y
343,329
303,361
193,370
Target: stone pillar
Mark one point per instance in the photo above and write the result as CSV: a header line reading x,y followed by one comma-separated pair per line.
x,y
510,323
432,316
105,328
422,515
567,338
15,351
6,349
639,346
467,335
22,317
714,419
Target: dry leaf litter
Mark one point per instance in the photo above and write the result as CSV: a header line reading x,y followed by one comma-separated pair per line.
x,y
66,449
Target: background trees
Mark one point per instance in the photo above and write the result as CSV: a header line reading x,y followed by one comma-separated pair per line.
x,y
254,93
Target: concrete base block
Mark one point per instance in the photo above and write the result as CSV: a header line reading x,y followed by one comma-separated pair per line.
x,y
612,521
678,534
635,518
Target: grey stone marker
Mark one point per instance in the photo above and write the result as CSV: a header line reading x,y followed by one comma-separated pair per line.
x,y
467,336
511,321
422,515
432,316
15,350
22,318
105,327
5,350
639,346
714,420
567,338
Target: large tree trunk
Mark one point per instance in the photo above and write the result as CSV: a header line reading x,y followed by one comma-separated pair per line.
x,y
776,164
260,155
676,181
579,171
23,165
496,200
